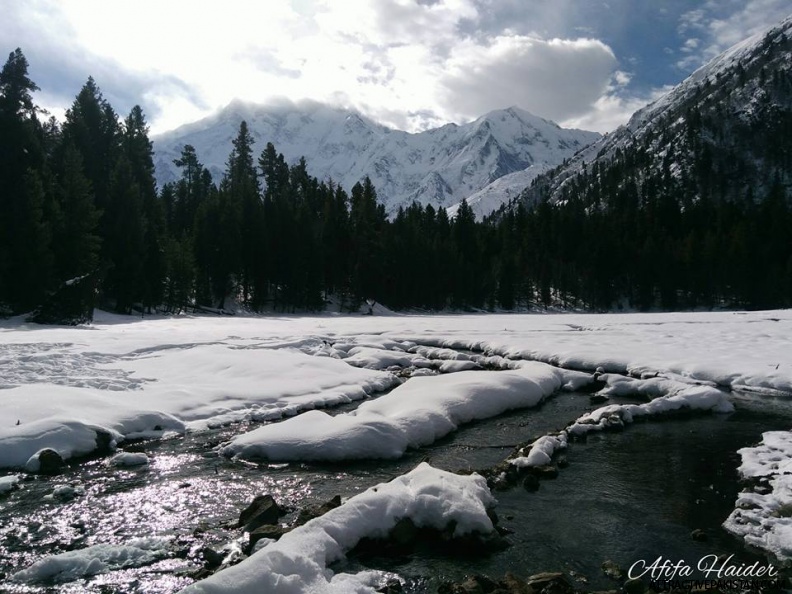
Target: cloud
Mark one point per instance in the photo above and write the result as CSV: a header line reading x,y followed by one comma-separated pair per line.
x,y
60,64
613,109
557,78
718,26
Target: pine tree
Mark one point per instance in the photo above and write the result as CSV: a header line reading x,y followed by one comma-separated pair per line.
x,y
138,149
25,234
76,235
244,196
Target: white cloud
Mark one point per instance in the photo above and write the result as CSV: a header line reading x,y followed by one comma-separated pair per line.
x,y
553,78
717,30
407,63
612,110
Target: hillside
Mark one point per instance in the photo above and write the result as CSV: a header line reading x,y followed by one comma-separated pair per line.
x,y
725,133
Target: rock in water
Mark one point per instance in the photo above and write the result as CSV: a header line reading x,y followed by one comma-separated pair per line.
x,y
262,510
46,461
314,511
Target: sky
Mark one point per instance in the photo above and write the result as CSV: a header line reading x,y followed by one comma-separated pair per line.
x,y
409,64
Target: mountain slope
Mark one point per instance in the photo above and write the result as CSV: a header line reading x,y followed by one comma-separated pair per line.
x,y
441,166
722,134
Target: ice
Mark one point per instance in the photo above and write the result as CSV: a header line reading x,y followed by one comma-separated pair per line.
x,y
93,560
298,562
414,414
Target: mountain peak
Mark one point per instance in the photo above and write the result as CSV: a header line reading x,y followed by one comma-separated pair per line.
x,y
441,166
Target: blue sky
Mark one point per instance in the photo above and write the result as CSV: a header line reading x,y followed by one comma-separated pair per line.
x,y
409,64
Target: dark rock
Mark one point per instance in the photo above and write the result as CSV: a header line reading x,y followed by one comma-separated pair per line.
x,y
499,483
544,472
634,586
511,584
404,532
477,584
104,441
265,531
550,583
531,483
50,462
598,398
493,516
262,510
314,511
562,462
212,559
612,570
699,535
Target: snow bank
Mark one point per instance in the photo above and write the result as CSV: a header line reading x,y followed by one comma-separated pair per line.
x,y
68,397
93,560
541,451
683,397
414,414
763,514
297,563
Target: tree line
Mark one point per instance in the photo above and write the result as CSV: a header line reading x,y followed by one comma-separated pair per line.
x,y
83,224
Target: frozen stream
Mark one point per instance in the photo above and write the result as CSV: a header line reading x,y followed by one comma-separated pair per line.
x,y
625,496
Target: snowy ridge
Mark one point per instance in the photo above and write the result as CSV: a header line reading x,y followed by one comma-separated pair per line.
x,y
659,125
441,166
297,563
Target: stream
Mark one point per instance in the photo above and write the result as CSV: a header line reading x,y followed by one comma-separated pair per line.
x,y
625,496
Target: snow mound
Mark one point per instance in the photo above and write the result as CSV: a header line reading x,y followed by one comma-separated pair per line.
x,y
298,562
683,397
764,519
414,414
541,451
101,558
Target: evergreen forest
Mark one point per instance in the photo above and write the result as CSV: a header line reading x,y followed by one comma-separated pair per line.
x,y
83,225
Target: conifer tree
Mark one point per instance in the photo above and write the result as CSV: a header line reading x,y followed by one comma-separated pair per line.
x,y
244,200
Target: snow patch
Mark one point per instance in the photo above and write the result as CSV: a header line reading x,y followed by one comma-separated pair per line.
x,y
414,414
298,562
763,515
101,558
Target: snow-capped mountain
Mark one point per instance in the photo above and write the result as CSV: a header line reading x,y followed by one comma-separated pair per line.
x,y
441,166
724,132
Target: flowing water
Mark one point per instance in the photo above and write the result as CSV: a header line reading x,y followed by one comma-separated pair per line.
x,y
624,497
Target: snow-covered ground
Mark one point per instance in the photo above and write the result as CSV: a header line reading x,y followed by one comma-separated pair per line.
x,y
68,388
134,377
